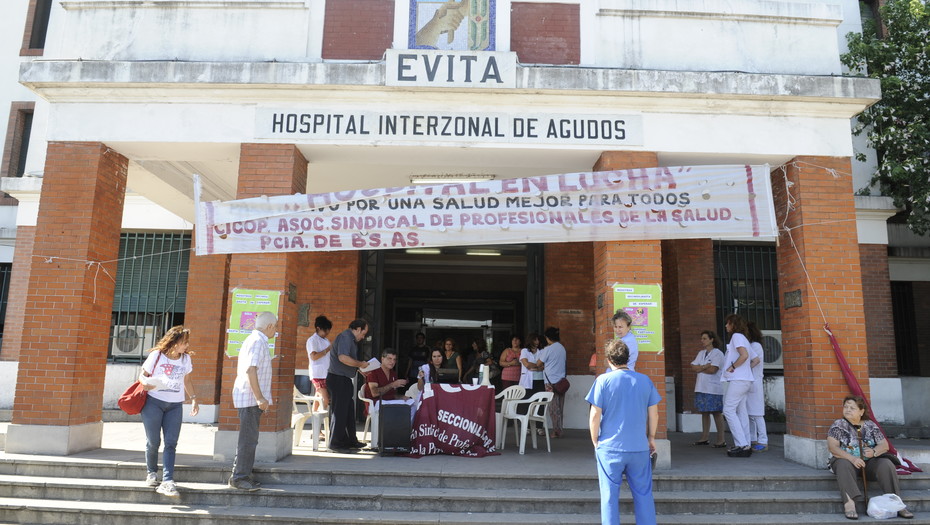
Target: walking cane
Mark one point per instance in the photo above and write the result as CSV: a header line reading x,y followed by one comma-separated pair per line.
x,y
865,482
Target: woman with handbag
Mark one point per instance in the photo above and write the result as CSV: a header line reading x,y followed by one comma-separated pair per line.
x,y
552,361
166,376
856,443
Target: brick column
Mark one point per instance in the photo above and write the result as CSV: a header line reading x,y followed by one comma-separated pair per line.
x,y
823,227
19,286
206,317
568,305
63,356
266,169
637,262
690,308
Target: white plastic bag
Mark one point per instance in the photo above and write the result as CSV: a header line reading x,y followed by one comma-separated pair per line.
x,y
885,506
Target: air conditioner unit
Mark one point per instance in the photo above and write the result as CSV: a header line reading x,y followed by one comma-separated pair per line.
x,y
131,341
771,344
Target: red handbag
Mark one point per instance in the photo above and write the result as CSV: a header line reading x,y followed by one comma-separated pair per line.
x,y
133,399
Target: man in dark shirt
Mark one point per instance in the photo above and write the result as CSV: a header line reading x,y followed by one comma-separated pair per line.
x,y
418,356
342,368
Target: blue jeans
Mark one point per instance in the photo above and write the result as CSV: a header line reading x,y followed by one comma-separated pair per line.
x,y
249,419
161,417
611,466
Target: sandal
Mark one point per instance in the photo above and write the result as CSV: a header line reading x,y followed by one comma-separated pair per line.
x,y
851,515
720,445
906,514
699,443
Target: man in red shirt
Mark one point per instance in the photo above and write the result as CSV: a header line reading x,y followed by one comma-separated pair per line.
x,y
382,383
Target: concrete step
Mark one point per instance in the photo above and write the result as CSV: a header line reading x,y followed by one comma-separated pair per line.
x,y
778,519
55,512
52,512
401,477
219,473
322,497
431,500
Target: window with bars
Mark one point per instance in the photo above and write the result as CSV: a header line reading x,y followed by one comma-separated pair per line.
x,y
747,284
151,291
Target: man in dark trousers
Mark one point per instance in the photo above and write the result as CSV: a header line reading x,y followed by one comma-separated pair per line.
x,y
342,368
623,421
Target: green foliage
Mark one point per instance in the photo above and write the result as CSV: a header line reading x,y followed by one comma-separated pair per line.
x,y
898,126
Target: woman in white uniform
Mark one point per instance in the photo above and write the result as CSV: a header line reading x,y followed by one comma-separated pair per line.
x,y
756,405
739,379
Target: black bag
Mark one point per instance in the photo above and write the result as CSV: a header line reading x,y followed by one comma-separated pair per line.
x,y
894,459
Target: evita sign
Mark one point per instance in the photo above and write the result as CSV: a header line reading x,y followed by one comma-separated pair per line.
x,y
475,69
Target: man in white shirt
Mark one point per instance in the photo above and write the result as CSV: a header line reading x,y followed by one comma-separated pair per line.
x,y
318,348
251,396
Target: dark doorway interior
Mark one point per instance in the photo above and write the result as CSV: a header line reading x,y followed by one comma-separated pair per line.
x,y
467,293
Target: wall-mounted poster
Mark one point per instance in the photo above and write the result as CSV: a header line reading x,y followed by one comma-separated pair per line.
x,y
246,306
460,25
644,304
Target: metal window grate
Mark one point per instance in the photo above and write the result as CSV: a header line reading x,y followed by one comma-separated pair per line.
x,y
151,291
747,283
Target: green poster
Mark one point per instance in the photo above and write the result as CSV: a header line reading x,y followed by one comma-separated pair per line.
x,y
644,304
246,306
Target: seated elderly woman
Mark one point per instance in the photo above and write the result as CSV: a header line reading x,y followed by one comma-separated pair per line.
x,y
856,443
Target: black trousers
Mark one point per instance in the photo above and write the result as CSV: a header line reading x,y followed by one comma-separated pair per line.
x,y
342,409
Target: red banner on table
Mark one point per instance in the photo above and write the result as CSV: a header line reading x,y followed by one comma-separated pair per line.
x,y
454,419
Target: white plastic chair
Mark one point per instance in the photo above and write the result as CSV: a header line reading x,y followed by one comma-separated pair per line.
x,y
317,418
412,391
508,395
371,406
537,412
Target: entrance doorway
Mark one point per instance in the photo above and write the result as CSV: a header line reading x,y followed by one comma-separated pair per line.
x,y
466,293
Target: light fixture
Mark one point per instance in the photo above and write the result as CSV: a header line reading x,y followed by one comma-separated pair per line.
x,y
482,252
423,251
450,178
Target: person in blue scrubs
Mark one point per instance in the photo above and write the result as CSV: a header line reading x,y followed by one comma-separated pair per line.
x,y
623,421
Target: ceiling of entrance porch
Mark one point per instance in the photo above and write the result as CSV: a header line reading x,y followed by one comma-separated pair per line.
x,y
163,172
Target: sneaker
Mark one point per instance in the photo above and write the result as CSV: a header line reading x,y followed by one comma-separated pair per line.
x,y
243,484
167,488
151,479
760,447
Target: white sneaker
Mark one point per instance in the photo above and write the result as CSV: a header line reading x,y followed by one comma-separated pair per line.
x,y
151,479
167,488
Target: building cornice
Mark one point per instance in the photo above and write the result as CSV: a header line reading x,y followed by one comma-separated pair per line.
x,y
75,81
